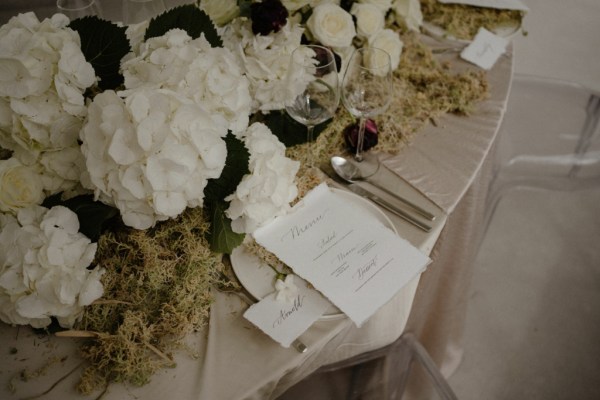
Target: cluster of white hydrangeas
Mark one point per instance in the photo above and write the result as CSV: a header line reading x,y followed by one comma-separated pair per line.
x,y
265,59
44,267
151,153
43,75
270,186
212,77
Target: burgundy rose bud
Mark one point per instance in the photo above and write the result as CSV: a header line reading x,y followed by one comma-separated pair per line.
x,y
351,135
268,16
322,59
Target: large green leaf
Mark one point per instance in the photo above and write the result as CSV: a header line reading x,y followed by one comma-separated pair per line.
x,y
222,238
289,131
236,166
187,17
93,215
103,44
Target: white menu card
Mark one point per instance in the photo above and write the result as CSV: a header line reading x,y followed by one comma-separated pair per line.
x,y
344,251
485,49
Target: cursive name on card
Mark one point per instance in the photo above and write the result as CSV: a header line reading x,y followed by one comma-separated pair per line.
x,y
285,313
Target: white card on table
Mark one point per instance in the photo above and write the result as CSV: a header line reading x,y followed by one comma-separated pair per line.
x,y
286,321
343,251
485,49
500,4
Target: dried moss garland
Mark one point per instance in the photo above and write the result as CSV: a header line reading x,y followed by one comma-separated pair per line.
x,y
463,21
160,282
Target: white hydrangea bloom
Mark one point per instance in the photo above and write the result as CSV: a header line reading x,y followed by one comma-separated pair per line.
x,y
43,268
43,75
210,76
270,186
265,59
151,154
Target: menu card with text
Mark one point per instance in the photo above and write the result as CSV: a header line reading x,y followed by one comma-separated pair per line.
x,y
344,251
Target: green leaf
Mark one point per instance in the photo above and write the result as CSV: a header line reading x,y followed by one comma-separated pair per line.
x,y
187,17
236,166
222,238
92,214
103,44
289,131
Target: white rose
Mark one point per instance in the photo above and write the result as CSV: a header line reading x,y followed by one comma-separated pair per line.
x,y
20,186
369,19
389,41
408,12
383,5
220,11
331,25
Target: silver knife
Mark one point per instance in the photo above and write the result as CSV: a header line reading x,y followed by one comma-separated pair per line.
x,y
388,206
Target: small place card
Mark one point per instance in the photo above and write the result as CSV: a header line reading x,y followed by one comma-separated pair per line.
x,y
499,4
284,320
485,49
344,251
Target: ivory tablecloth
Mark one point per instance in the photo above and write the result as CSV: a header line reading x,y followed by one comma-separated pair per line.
x,y
446,168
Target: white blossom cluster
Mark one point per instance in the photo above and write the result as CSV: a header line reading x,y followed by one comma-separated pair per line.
x,y
269,188
43,75
43,267
265,60
151,153
210,76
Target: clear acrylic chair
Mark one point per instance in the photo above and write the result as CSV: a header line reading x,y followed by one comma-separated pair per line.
x,y
548,140
381,374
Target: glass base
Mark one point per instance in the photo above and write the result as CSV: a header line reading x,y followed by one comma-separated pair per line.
x,y
368,166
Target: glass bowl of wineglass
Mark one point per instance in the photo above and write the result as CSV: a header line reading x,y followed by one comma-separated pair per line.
x,y
366,92
313,90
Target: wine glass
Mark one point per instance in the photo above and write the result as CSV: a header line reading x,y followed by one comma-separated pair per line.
x,y
78,8
366,92
136,11
313,90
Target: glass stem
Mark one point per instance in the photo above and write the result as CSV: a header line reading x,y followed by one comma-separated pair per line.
x,y
360,140
310,158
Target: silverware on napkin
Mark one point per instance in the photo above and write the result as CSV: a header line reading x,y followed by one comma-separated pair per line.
x,y
361,191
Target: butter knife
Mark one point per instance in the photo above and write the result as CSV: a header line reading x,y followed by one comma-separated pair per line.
x,y
388,206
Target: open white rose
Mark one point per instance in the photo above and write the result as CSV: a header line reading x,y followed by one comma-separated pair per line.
x,y
369,19
220,11
409,13
44,268
331,25
389,41
270,186
20,186
295,5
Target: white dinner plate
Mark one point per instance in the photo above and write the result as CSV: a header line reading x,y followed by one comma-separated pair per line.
x,y
258,278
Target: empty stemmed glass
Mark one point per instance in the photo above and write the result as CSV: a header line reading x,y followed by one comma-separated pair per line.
x,y
366,92
313,89
78,8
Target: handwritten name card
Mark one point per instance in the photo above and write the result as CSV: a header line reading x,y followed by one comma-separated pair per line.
x,y
343,251
485,49
285,321
499,4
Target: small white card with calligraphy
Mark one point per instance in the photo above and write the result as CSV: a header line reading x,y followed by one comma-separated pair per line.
x,y
343,251
485,49
285,320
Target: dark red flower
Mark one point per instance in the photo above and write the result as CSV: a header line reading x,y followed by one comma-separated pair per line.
x,y
351,135
268,16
